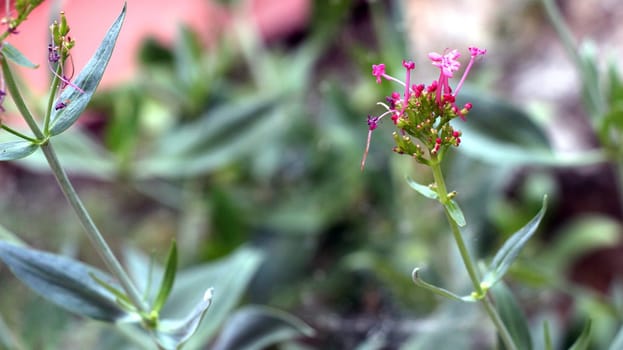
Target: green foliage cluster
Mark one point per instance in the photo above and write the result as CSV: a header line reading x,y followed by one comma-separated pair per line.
x,y
249,154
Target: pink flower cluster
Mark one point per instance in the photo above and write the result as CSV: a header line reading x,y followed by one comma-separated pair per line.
x,y
413,111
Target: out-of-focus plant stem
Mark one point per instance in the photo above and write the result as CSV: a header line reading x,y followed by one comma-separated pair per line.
x,y
470,266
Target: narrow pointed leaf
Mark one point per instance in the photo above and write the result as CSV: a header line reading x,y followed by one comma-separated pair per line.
x,y
512,316
63,281
507,254
16,149
617,343
256,327
168,279
87,80
421,189
12,53
173,333
584,340
437,290
456,213
121,298
547,337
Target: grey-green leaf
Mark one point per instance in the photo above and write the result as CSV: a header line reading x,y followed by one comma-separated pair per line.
x,y
172,334
12,53
584,340
617,343
167,279
229,277
456,213
512,316
415,275
87,80
16,149
507,254
421,189
63,281
258,327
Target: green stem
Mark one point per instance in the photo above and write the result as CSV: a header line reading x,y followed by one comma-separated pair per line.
x,y
19,134
68,190
92,231
443,198
470,266
48,113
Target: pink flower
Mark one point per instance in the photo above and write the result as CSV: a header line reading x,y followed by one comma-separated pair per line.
x,y
378,70
474,51
448,63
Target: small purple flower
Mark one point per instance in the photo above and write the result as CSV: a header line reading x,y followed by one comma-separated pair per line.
x,y
60,105
53,55
372,122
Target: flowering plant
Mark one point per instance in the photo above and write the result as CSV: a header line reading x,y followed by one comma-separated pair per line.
x,y
423,116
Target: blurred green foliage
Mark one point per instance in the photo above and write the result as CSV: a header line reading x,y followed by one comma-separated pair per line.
x,y
244,144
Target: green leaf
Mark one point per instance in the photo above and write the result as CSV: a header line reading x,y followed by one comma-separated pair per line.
x,y
499,133
229,277
257,327
122,298
456,213
547,337
87,80
16,149
63,281
172,334
617,343
421,189
219,137
437,290
512,316
168,279
12,53
507,254
584,340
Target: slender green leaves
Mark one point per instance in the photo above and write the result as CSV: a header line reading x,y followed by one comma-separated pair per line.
x,y
508,253
16,149
584,340
437,290
547,337
63,281
512,316
87,80
421,189
168,279
456,213
617,343
9,51
172,334
256,327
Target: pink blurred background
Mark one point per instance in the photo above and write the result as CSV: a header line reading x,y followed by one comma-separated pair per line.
x,y
89,21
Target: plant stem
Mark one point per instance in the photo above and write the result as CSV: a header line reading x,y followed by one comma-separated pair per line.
x,y
470,266
92,231
70,193
48,111
19,134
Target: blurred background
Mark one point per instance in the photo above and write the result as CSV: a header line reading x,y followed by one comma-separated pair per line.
x,y
238,127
